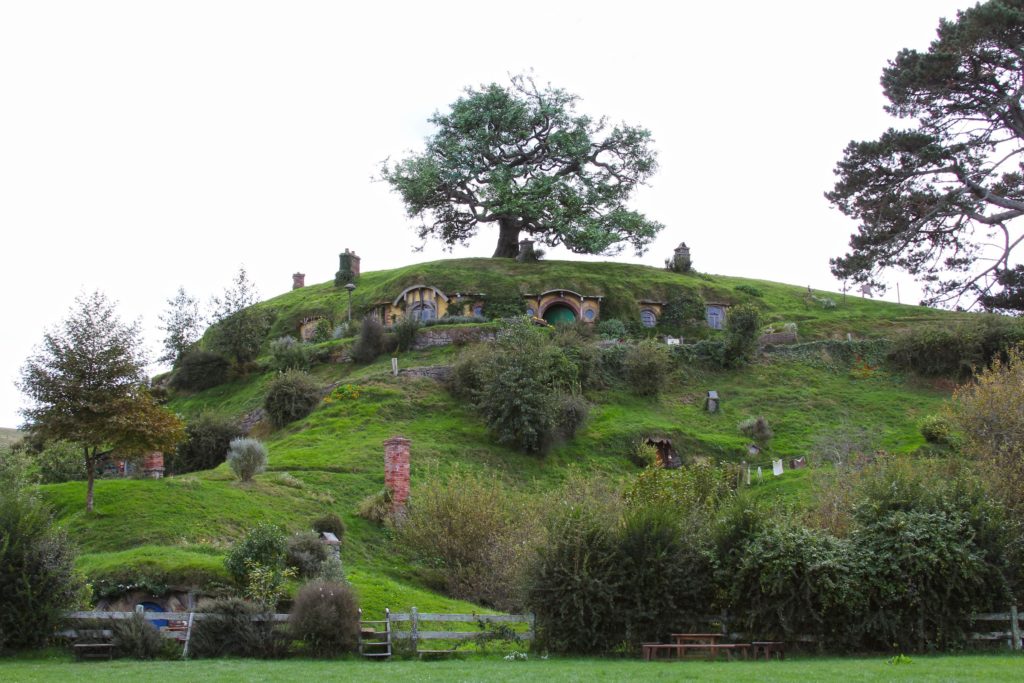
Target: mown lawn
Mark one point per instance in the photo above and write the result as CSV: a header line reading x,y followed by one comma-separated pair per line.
x,y
58,667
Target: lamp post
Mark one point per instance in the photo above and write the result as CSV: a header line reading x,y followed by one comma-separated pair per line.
x,y
350,287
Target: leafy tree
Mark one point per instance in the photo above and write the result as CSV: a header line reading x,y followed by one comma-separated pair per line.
x,y
87,385
183,324
939,199
38,582
239,326
522,158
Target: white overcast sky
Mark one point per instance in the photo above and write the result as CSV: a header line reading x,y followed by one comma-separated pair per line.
x,y
147,145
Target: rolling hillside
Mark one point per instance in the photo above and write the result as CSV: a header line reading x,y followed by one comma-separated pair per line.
x,y
175,530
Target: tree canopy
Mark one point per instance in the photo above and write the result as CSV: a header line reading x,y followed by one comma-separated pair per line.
x,y
520,156
87,385
940,199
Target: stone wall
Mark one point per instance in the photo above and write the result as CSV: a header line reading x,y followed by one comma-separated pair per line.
x,y
442,335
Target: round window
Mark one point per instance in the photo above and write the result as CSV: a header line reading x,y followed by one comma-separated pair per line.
x,y
589,314
530,312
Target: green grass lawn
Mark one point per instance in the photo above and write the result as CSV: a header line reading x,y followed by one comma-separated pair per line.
x,y
58,667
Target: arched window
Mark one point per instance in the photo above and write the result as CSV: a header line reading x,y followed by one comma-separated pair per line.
x,y
647,318
589,315
423,310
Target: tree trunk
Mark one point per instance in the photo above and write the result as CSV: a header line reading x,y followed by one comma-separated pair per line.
x,y
508,240
90,474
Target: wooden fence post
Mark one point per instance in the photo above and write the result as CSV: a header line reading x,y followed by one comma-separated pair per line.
x,y
415,628
1015,629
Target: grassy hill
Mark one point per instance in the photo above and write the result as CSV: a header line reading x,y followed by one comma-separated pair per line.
x,y
176,529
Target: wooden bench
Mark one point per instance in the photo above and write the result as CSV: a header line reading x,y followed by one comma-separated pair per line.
x,y
100,645
769,648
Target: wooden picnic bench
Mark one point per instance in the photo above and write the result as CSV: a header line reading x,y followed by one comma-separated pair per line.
x,y
769,648
100,644
680,650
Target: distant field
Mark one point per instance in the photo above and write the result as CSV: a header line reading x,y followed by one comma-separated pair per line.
x,y
931,668
8,436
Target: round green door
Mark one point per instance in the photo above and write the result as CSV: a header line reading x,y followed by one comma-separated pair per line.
x,y
559,313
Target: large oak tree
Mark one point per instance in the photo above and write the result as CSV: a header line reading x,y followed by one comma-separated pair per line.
x,y
519,157
941,199
87,385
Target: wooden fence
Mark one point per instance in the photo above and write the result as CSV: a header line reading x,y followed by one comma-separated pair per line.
x,y
1008,625
1012,633
416,633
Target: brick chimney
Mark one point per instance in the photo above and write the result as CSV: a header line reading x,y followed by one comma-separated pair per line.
x,y
153,465
298,280
396,471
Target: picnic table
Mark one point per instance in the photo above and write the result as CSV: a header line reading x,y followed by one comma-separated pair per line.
x,y
695,645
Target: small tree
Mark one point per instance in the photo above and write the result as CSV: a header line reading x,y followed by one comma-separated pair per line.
x,y
87,385
247,458
183,324
240,327
741,330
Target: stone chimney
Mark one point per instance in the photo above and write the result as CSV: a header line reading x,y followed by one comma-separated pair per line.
x,y
396,471
526,252
298,280
153,465
348,269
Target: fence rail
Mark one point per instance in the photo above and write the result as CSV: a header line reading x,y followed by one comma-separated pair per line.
x,y
1012,635
416,634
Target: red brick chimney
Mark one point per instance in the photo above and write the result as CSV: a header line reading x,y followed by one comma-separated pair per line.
x,y
298,280
153,465
396,471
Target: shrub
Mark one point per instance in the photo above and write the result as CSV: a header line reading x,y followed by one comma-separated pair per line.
x,y
59,461
572,413
756,428
38,583
954,351
936,429
643,454
646,368
323,332
136,638
332,569
504,302
684,308
376,507
207,439
325,616
405,333
468,372
228,630
576,586
370,343
291,396
474,531
611,329
265,545
934,548
667,580
793,581
520,386
332,523
741,327
306,553
247,458
751,290
288,353
198,370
